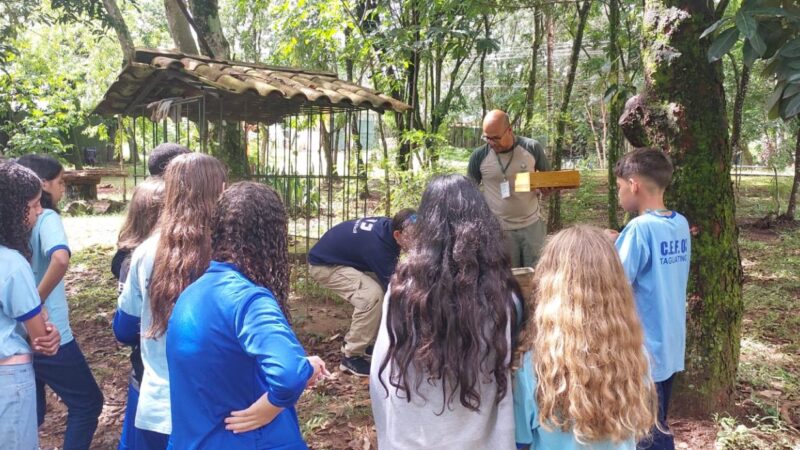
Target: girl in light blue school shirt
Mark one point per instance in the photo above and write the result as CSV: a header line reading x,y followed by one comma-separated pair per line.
x,y
21,311
161,267
584,381
67,373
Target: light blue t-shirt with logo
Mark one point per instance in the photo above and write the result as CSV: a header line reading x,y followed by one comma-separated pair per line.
x,y
656,253
48,236
133,316
528,430
19,301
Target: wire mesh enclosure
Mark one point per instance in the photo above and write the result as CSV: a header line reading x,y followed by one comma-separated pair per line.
x,y
310,135
324,165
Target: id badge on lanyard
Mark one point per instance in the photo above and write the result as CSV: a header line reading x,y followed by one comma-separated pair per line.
x,y
505,189
505,186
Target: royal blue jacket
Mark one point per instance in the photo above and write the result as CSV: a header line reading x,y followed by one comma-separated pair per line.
x,y
228,343
364,244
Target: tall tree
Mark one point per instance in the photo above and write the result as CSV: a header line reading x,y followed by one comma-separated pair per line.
x,y
614,147
530,92
117,22
554,218
482,67
682,111
742,81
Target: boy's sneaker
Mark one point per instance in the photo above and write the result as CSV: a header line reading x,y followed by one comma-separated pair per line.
x,y
356,365
367,351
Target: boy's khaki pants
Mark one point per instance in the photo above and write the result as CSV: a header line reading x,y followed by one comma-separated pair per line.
x,y
364,292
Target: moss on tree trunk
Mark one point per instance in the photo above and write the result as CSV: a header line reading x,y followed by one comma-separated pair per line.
x,y
682,111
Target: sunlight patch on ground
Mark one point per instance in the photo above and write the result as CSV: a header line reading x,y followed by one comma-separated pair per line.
x,y
85,231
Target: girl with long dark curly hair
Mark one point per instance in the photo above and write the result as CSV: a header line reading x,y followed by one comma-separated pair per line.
x,y
231,326
20,193
161,267
440,374
67,373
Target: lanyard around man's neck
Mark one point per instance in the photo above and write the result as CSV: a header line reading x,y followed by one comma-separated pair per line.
x,y
508,164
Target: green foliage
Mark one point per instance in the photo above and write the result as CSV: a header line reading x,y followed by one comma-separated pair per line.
x,y
723,44
301,196
48,91
770,30
13,16
407,186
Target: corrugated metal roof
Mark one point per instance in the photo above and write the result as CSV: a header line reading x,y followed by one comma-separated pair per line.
x,y
241,91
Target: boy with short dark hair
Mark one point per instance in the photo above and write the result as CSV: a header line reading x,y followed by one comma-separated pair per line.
x,y
162,155
655,249
355,259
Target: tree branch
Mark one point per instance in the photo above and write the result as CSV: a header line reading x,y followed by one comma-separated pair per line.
x,y
200,35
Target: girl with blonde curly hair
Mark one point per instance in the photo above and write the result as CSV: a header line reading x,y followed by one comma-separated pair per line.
x,y
584,382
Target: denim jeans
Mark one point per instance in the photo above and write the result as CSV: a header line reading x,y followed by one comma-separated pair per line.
x,y
69,376
661,440
18,407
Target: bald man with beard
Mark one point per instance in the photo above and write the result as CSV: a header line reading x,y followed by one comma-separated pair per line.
x,y
494,167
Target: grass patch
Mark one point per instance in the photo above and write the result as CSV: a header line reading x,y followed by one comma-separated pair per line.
x,y
94,292
589,203
764,366
758,196
315,413
766,433
772,286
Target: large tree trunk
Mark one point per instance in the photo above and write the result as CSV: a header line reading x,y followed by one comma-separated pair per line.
x,y
790,210
179,27
614,147
206,16
554,218
682,111
117,22
263,133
